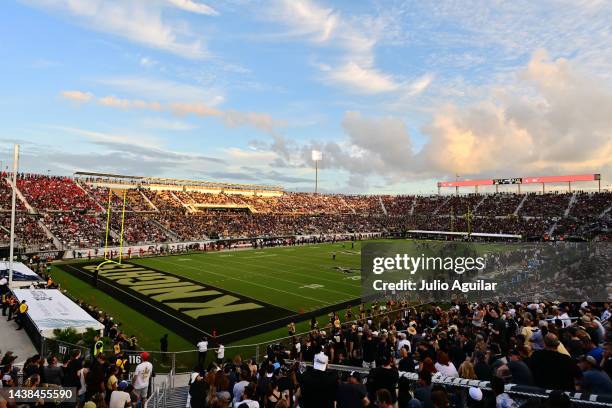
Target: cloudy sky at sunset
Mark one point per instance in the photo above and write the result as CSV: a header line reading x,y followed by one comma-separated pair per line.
x,y
396,94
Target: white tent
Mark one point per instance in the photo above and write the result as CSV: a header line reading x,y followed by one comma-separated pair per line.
x,y
23,276
50,309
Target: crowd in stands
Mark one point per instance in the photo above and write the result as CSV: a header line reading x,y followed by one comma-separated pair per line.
x,y
138,228
137,201
28,232
501,204
101,196
553,346
74,212
550,345
545,205
398,205
54,193
163,200
6,195
74,229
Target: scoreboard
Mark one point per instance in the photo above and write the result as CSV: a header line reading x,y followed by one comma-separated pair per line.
x,y
515,180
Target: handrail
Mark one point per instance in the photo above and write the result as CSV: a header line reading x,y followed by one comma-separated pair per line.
x,y
522,390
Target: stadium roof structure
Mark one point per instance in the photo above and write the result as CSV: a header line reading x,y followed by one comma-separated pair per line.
x,y
179,182
522,180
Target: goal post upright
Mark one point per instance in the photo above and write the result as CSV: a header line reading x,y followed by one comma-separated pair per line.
x,y
108,258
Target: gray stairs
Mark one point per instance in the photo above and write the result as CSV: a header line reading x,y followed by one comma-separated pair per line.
x,y
518,207
569,205
177,397
382,205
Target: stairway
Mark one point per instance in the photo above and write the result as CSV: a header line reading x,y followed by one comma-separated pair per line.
x,y
173,235
19,196
58,244
604,212
480,202
78,183
435,212
570,204
518,207
382,205
177,397
148,201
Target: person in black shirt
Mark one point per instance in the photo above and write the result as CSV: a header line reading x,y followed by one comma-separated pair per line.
x,y
521,374
352,393
317,389
385,377
551,369
406,362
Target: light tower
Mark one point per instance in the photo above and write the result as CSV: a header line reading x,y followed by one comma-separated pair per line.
x,y
317,156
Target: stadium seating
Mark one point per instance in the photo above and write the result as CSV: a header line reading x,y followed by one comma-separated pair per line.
x,y
75,213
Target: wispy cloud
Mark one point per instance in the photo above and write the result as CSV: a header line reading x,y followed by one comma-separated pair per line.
x,y
137,21
355,68
231,118
194,7
77,96
153,88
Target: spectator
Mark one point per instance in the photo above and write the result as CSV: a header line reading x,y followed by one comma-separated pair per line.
x,y
142,376
594,380
551,369
352,393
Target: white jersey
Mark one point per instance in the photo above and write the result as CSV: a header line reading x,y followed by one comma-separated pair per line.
x,y
202,346
142,375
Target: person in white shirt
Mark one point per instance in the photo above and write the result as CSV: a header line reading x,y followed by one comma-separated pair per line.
x,y
119,398
142,376
565,319
249,392
202,351
220,353
403,342
240,386
445,366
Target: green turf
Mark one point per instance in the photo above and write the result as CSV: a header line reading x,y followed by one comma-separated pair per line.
x,y
148,331
300,278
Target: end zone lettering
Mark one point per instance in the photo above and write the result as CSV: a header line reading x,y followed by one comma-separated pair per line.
x,y
167,289
188,307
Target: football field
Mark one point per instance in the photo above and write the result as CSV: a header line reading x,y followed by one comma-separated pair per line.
x,y
299,278
234,293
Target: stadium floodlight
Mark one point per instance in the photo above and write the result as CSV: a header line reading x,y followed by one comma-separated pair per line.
x,y
317,156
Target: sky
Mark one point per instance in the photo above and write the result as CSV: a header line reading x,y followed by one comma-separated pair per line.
x,y
395,94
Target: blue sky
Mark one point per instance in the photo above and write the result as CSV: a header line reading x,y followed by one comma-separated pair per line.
x,y
396,94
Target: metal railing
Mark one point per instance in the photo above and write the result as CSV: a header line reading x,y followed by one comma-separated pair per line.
x,y
516,390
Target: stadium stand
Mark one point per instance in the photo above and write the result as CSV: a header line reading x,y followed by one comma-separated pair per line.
x,y
74,212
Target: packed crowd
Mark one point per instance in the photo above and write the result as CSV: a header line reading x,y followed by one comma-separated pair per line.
x,y
54,193
553,346
74,212
549,345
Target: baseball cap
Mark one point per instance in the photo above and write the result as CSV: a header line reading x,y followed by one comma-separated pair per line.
x,y
320,361
144,356
589,359
89,404
122,385
356,375
475,394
